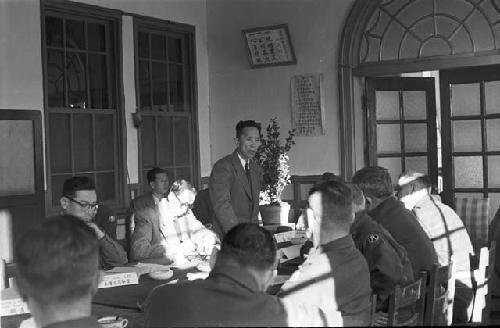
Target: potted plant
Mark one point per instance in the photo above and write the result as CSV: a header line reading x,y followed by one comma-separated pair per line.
x,y
273,158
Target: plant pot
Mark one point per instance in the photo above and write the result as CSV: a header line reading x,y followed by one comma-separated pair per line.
x,y
275,214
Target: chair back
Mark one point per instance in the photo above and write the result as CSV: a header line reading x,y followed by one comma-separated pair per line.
x,y
474,212
8,273
411,296
481,276
439,296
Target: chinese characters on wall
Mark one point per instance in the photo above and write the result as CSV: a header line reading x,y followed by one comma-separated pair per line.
x,y
268,46
307,114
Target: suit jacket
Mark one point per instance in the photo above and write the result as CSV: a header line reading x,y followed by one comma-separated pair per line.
x,y
234,200
147,237
228,297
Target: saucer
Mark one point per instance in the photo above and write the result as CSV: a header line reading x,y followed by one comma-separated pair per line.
x,y
161,274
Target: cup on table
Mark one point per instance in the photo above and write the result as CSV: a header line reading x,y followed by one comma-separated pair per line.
x,y
113,322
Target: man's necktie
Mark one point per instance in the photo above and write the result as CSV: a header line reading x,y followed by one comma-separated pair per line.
x,y
247,172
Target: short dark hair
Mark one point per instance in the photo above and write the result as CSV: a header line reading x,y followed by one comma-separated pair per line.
x,y
151,175
374,181
77,183
250,245
414,181
58,261
336,199
246,124
329,176
357,194
180,185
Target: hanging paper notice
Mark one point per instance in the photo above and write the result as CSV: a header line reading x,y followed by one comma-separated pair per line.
x,y
307,105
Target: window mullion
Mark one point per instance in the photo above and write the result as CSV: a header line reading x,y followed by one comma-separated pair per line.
x,y
484,138
402,130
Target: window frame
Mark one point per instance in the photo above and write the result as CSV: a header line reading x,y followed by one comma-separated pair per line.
x,y
188,32
114,18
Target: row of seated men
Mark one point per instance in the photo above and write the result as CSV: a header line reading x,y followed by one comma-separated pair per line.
x,y
364,241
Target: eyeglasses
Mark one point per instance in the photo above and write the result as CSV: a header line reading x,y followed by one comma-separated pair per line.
x,y
85,205
187,205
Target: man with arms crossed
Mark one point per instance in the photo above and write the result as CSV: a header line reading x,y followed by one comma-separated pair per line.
x,y
80,200
235,181
58,272
234,292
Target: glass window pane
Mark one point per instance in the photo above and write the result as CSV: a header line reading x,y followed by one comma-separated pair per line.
x,y
493,171
57,186
160,86
77,90
55,78
60,154
176,87
165,141
144,87
468,171
75,34
97,37
158,47
387,105
416,164
143,43
175,49
148,141
388,138
393,165
105,186
415,137
53,32
183,173
82,142
414,104
467,136
465,99
493,134
492,95
182,142
98,82
105,142
17,170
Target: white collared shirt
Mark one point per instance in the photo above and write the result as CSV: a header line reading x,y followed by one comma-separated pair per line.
x,y
243,161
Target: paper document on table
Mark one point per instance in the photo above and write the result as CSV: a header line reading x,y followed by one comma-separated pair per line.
x,y
115,279
288,253
294,236
280,279
12,303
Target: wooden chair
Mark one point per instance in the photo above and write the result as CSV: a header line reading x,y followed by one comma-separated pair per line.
x,y
411,296
440,293
9,271
482,299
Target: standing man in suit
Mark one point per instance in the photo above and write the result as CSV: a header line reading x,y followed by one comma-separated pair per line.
x,y
147,238
236,179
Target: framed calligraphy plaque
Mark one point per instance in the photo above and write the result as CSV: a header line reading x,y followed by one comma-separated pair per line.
x,y
270,45
307,105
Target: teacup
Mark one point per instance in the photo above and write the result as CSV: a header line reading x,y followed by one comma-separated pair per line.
x,y
113,322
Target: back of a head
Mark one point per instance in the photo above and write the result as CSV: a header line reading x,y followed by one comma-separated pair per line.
x,y
178,186
336,201
329,176
411,182
358,199
374,181
77,183
58,262
250,246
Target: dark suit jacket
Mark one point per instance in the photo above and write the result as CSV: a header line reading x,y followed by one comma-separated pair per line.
x,y
227,298
146,239
233,200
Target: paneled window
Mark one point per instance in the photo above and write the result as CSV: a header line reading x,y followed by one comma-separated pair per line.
x,y
165,96
81,101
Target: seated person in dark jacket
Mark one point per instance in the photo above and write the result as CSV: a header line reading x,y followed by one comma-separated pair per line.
x,y
58,272
390,213
387,260
234,293
79,199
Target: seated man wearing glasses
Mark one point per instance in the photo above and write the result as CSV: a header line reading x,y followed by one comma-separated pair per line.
x,y
80,200
183,234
